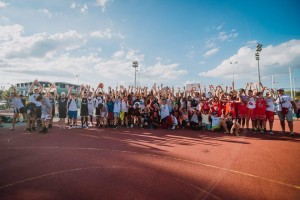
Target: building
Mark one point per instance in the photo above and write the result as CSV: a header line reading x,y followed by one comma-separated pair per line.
x,y
23,88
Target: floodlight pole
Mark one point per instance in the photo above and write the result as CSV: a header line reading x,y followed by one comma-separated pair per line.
x,y
258,50
135,65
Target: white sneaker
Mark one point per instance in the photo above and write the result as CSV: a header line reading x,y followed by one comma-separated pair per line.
x,y
70,127
173,127
271,133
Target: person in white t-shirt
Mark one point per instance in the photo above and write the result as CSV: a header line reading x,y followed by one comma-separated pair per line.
x,y
285,104
18,106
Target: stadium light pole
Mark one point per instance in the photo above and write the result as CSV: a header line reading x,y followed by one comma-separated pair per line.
x,y
233,63
135,65
258,50
77,76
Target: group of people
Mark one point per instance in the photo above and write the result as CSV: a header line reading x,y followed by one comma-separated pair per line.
x,y
212,108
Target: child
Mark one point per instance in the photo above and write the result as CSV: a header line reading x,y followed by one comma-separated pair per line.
x,y
195,119
46,110
154,117
217,122
184,117
205,120
30,116
232,124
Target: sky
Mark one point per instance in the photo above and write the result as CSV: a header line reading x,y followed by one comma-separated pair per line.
x,y
176,42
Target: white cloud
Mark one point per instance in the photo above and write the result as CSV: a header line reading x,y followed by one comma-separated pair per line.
x,y
102,4
53,57
14,45
223,36
73,5
84,8
3,4
210,52
273,60
102,34
45,12
118,54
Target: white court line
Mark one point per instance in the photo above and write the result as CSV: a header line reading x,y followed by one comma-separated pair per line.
x,y
103,167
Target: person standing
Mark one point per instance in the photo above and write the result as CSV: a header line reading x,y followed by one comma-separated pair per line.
x,y
18,106
62,109
284,110
46,112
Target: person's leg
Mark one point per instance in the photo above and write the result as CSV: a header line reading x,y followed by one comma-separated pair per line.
x,y
224,125
15,115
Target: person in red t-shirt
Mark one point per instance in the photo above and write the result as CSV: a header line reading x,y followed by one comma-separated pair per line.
x,y
242,107
260,112
216,106
230,107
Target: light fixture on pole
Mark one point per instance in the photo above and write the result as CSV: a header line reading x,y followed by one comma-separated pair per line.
x,y
233,63
77,76
258,50
135,65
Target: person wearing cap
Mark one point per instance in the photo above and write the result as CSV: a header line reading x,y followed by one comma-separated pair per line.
x,y
284,110
62,109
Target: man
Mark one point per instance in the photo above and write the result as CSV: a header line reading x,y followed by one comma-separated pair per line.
x,y
270,109
46,112
34,93
284,110
72,108
18,106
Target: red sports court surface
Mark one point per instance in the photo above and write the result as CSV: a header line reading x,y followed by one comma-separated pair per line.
x,y
148,164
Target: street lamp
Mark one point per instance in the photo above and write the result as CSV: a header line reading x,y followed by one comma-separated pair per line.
x,y
233,63
258,50
135,65
77,76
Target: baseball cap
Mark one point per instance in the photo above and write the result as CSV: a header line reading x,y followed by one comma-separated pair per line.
x,y
280,89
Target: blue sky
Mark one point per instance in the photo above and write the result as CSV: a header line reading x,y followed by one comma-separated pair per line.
x,y
176,42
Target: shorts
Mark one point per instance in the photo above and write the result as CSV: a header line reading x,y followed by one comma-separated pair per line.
x,y
122,115
215,127
288,116
72,114
104,114
20,110
45,117
251,114
260,115
242,112
116,114
270,116
91,111
111,115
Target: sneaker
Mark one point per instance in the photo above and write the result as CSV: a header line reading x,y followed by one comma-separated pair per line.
x,y
127,126
86,127
115,127
254,130
70,127
131,126
292,134
271,133
173,127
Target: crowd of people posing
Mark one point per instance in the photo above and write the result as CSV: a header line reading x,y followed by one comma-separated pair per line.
x,y
212,108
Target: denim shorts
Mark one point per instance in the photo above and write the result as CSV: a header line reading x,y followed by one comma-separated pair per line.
x,y
72,114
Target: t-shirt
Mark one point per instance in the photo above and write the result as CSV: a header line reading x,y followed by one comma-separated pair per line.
x,y
205,118
194,118
251,103
215,120
284,101
17,102
46,106
73,105
117,105
164,112
110,106
32,99
124,106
